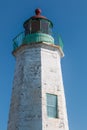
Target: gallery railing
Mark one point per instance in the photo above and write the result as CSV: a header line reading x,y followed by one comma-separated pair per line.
x,y
20,38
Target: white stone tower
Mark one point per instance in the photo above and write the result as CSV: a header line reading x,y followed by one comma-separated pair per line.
x,y
38,100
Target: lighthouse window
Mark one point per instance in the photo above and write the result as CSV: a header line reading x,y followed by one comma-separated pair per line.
x,y
52,105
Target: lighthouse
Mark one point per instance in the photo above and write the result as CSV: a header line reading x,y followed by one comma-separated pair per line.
x,y
38,99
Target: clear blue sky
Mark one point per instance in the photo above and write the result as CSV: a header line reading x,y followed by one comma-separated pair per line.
x,y
70,20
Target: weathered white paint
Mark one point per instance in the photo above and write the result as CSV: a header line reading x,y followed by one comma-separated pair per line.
x,y
38,71
52,83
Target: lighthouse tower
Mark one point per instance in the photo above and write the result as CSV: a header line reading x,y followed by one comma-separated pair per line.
x,y
38,100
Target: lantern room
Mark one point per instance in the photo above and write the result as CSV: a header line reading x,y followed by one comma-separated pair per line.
x,y
36,29
38,24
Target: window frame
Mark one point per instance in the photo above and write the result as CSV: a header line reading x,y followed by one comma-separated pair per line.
x,y
52,107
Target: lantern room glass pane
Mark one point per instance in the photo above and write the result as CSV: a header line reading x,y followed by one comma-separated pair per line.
x,y
35,26
44,26
28,29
